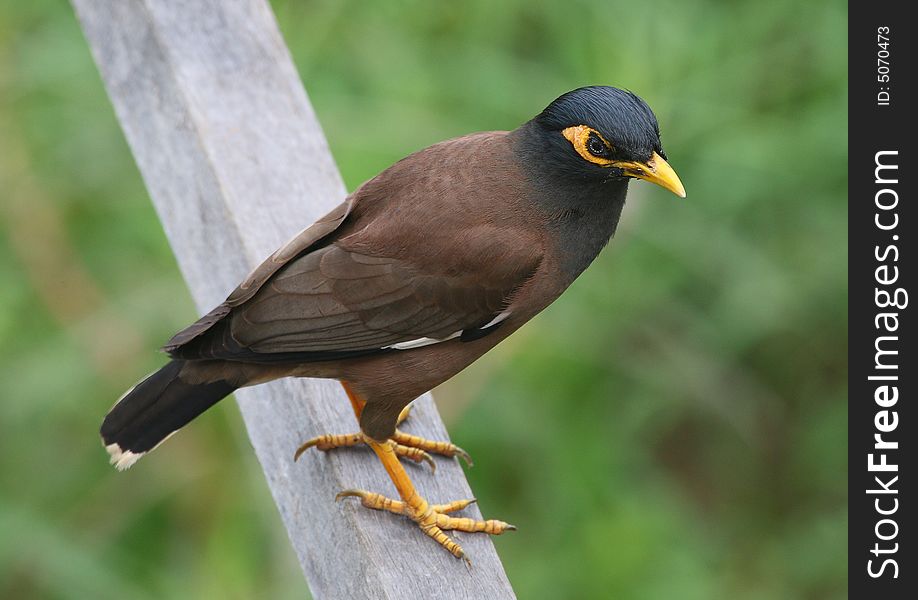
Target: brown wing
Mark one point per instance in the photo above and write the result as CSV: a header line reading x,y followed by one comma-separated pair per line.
x,y
431,249
335,303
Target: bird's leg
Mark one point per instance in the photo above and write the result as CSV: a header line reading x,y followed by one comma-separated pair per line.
x,y
408,446
433,519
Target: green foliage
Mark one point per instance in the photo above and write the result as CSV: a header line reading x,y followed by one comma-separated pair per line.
x,y
674,427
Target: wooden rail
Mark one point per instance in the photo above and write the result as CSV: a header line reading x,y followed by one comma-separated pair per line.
x,y
236,163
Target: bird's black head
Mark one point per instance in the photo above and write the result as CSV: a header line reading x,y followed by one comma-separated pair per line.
x,y
599,133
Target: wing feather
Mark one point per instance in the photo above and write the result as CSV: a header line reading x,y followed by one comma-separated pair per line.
x,y
403,263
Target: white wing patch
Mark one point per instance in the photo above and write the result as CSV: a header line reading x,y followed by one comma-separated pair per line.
x,y
498,319
421,342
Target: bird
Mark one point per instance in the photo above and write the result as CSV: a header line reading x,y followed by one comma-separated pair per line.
x,y
418,273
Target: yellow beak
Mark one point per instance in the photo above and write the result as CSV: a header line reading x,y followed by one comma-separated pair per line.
x,y
656,170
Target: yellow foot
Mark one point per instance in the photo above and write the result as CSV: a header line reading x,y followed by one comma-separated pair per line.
x,y
442,448
432,518
331,441
408,446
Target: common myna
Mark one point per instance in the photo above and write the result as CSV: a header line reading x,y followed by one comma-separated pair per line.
x,y
419,272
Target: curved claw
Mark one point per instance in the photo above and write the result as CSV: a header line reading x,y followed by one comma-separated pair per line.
x,y
350,492
304,447
330,441
403,416
430,461
374,500
464,456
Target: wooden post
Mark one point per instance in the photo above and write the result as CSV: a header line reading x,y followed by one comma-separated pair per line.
x,y
236,163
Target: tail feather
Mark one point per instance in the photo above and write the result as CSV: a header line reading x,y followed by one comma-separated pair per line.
x,y
154,409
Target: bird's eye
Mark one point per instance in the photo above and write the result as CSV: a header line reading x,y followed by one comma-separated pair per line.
x,y
589,144
597,147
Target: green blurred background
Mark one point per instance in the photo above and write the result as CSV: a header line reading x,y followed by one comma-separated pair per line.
x,y
674,427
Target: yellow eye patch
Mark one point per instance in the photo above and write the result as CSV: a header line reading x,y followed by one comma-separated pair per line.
x,y
580,137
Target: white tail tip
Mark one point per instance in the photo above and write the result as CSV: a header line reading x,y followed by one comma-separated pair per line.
x,y
122,459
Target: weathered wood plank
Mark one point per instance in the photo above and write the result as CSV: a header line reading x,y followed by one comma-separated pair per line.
x,y
235,162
